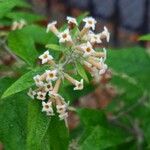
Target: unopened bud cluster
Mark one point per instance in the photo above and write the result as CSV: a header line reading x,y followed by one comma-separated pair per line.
x,y
80,48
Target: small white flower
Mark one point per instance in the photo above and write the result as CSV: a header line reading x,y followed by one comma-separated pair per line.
x,y
41,95
90,22
48,87
18,24
72,20
105,34
94,38
21,23
87,48
14,25
61,109
47,107
51,75
45,57
64,36
79,85
51,26
103,66
31,93
38,81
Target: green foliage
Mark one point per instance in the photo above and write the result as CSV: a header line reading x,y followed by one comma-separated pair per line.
x,y
56,47
58,134
27,16
23,46
23,82
82,72
13,115
145,38
92,117
122,62
7,5
24,126
37,126
98,134
23,42
31,129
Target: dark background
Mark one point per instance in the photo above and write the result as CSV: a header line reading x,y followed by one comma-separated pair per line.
x,y
126,19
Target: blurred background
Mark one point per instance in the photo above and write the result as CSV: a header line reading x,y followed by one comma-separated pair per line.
x,y
126,19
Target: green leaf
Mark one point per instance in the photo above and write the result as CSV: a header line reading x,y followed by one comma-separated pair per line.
x,y
22,45
5,83
13,115
58,135
82,72
55,47
101,138
38,124
81,17
25,47
145,38
29,17
133,62
98,133
39,35
7,5
22,83
128,98
68,93
91,117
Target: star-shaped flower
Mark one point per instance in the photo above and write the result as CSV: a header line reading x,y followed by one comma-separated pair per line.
x,y
48,87
105,34
51,26
65,36
38,81
87,48
31,93
51,75
72,20
45,57
41,95
79,85
90,22
47,107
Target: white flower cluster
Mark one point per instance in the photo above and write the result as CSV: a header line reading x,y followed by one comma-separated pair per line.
x,y
18,24
81,48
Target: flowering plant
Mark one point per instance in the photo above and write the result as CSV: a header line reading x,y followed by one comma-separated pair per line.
x,y
48,90
78,47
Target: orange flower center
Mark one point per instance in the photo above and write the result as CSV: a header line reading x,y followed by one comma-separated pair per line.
x,y
64,36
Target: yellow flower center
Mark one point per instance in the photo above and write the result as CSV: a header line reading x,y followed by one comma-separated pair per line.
x,y
45,56
51,75
90,22
88,49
